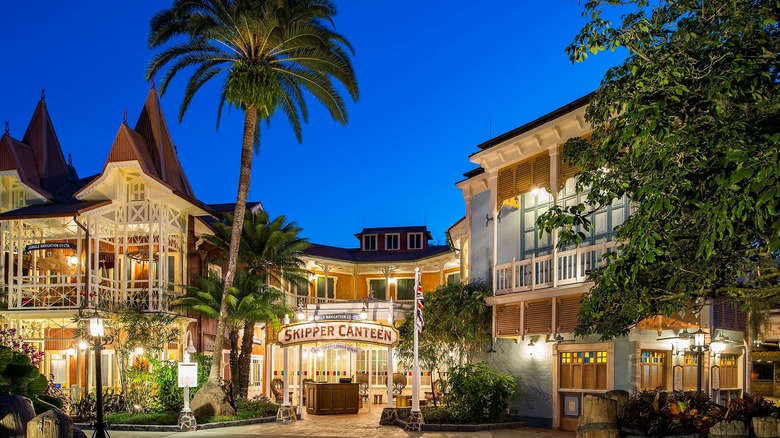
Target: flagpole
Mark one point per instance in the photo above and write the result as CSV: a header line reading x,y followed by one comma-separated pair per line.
x,y
416,367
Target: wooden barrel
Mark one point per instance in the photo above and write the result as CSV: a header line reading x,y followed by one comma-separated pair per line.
x,y
598,419
766,427
15,412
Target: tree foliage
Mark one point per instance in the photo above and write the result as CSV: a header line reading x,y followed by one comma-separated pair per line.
x,y
457,325
688,128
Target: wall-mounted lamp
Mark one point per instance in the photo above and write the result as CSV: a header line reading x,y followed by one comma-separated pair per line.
x,y
71,351
681,345
73,259
531,348
312,276
393,280
82,345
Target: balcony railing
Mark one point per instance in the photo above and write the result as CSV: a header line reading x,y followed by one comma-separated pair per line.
x,y
557,269
59,292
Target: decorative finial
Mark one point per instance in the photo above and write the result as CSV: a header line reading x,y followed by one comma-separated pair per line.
x,y
70,159
124,118
7,128
43,94
151,83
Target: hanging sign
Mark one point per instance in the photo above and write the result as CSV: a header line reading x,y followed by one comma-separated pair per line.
x,y
338,317
39,246
334,331
349,348
188,374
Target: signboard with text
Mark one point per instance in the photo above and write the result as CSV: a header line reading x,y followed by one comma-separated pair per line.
x,y
57,245
368,332
188,374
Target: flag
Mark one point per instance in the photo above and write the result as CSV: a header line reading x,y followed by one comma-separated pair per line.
x,y
420,302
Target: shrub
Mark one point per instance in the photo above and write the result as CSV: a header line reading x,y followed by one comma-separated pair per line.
x,y
166,375
437,415
660,413
478,394
259,407
156,418
749,406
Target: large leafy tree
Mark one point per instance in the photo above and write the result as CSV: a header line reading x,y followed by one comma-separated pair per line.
x,y
688,128
268,54
272,251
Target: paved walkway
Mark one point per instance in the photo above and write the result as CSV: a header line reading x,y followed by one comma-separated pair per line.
x,y
359,425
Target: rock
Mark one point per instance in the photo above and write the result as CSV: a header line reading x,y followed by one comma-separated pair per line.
x,y
729,428
599,418
620,396
78,433
50,424
211,401
766,427
15,412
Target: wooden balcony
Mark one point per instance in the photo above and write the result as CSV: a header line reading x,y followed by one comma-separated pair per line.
x,y
558,269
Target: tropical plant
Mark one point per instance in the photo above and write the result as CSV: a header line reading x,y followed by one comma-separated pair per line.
x,y
686,129
10,338
273,252
479,394
249,300
269,52
656,412
165,375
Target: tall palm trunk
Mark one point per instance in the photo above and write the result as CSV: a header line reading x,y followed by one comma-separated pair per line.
x,y
245,359
233,360
245,172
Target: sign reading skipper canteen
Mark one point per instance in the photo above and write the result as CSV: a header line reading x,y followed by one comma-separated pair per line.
x,y
338,331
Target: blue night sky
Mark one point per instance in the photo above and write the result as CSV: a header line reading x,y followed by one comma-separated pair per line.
x,y
432,76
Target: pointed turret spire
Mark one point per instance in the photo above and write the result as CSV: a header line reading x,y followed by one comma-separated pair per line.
x,y
49,160
153,128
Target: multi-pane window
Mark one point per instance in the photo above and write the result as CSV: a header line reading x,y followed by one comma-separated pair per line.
x,y
377,288
728,371
415,240
331,293
377,367
583,370
453,278
392,242
135,191
369,242
256,374
653,369
405,289
690,365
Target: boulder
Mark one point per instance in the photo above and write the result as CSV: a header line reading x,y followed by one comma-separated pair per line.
x,y
729,429
15,412
766,427
51,424
210,401
599,418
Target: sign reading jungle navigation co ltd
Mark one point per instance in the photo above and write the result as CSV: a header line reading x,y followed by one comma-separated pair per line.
x,y
337,331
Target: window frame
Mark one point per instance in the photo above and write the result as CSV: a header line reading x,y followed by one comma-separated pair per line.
x,y
397,237
366,238
409,237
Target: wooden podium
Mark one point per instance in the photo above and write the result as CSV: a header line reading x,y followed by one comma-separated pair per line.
x,y
332,398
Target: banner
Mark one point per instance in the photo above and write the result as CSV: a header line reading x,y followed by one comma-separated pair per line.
x,y
368,332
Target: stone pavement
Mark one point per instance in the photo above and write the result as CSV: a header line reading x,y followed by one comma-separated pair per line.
x,y
365,424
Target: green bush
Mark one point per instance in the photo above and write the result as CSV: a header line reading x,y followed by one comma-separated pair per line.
x,y
478,394
259,407
656,413
141,391
437,415
156,418
166,375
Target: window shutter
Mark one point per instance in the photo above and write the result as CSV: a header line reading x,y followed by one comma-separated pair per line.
x,y
538,317
523,177
506,185
568,309
508,320
717,315
542,172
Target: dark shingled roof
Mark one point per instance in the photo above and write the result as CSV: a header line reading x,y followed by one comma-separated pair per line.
x,y
356,255
53,210
582,101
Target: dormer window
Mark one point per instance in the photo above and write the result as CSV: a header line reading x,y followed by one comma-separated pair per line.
x,y
136,191
415,241
369,242
392,242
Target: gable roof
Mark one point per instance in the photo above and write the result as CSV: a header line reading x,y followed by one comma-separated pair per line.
x,y
50,164
15,155
152,127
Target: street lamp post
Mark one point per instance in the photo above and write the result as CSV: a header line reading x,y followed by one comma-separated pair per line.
x,y
699,347
97,331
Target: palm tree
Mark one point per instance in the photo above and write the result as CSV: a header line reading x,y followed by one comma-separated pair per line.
x,y
272,250
269,52
248,301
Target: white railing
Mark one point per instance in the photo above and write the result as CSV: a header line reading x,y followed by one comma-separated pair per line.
x,y
45,292
558,269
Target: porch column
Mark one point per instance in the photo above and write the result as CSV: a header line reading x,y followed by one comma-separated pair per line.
x,y
286,396
389,377
301,390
